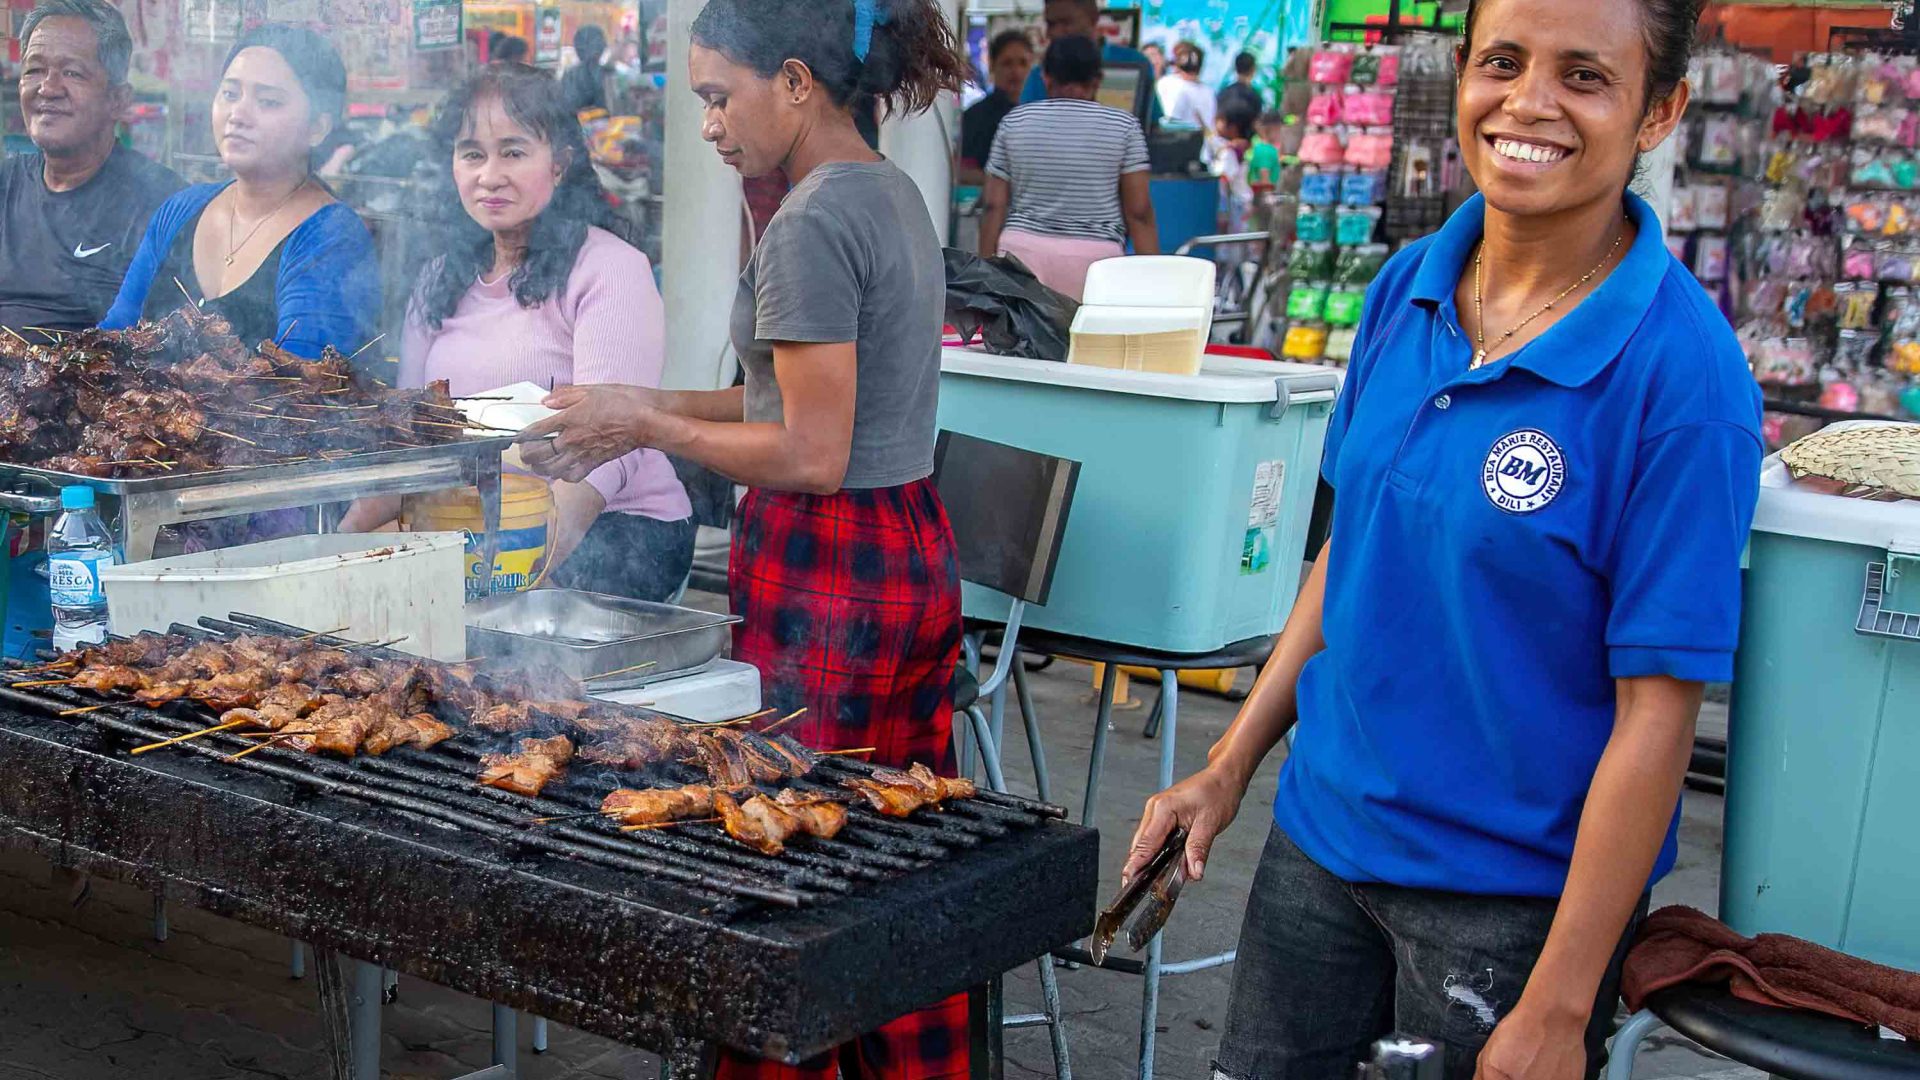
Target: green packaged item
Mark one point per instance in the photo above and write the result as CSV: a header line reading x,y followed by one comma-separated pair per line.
x,y
1307,302
1357,266
1355,224
1313,224
1343,306
1310,262
1340,344
1366,69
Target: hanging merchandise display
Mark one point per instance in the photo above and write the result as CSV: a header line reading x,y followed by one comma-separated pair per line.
x,y
1350,189
1822,261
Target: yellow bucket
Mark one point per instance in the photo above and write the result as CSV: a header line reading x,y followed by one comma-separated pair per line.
x,y
526,521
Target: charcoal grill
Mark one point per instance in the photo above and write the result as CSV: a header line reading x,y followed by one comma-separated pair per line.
x,y
673,940
147,503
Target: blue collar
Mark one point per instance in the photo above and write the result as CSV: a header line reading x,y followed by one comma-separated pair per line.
x,y
1581,345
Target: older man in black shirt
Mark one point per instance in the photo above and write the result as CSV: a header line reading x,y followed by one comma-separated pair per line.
x,y
72,213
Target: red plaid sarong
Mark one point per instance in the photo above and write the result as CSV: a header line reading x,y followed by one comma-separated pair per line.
x,y
851,605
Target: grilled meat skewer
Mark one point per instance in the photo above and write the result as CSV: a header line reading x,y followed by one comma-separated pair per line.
x,y
533,767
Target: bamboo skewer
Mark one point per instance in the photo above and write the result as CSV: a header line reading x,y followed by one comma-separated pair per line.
x,y
367,346
669,824
10,331
86,709
322,633
844,753
191,735
227,434
183,292
574,817
620,671
287,333
742,719
42,682
262,746
783,721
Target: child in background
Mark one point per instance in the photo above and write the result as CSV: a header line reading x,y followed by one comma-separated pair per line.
x,y
1233,131
1263,167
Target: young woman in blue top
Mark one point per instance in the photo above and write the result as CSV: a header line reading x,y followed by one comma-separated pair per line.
x,y
1545,462
270,250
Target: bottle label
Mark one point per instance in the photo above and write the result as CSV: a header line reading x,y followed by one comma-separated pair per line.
x,y
74,578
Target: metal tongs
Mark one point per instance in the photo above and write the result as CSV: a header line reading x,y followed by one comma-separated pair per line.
x,y
1157,886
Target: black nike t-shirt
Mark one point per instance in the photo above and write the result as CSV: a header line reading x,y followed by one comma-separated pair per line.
x,y
64,253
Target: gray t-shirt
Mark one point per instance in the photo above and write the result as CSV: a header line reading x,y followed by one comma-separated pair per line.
x,y
852,256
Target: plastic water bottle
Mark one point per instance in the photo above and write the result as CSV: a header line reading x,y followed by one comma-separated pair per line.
x,y
78,548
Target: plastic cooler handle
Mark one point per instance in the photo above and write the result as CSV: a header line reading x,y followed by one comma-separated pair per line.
x,y
21,502
1283,389
1877,617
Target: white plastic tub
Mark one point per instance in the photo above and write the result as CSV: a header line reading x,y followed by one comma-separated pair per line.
x,y
369,587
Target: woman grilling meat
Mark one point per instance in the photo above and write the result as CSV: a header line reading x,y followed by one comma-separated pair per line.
x,y
1545,460
843,563
270,250
540,282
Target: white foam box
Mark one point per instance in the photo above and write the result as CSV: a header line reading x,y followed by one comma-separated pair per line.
x,y
367,587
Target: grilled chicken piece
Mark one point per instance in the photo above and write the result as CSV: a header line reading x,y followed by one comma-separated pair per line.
x,y
640,744
655,806
338,727
766,825
759,823
512,716
898,794
279,707
535,766
821,815
108,678
418,730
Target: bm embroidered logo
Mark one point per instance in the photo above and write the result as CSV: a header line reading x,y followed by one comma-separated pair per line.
x,y
1524,471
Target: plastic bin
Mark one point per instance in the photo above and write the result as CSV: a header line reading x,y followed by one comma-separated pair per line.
x,y
1190,516
1823,745
369,587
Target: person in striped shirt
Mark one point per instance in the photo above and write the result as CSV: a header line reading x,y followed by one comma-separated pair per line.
x,y
1067,180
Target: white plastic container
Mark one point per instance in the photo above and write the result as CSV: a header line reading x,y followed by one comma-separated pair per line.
x,y
1145,313
368,587
723,690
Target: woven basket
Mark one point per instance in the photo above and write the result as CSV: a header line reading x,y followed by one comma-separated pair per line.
x,y
1876,455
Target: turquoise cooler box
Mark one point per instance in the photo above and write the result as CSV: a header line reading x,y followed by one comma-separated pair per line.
x,y
1823,744
1190,516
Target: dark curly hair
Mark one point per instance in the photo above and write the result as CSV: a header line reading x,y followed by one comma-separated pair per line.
x,y
533,100
911,54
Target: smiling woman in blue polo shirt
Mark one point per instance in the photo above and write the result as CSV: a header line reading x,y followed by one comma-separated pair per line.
x,y
1545,462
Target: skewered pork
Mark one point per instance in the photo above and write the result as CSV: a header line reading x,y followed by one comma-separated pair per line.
x,y
532,768
898,794
766,825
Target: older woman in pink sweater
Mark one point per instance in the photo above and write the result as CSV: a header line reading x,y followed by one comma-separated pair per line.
x,y
541,288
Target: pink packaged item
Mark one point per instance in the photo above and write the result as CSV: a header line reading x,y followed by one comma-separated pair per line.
x,y
1372,149
1389,69
1326,108
1321,146
1369,108
1330,67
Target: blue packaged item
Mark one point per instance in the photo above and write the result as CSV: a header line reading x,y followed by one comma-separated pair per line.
x,y
1362,188
1320,187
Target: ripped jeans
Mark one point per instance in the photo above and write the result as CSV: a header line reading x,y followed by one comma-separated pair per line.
x,y
1326,967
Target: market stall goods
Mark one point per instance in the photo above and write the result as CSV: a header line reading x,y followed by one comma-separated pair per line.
x,y
183,395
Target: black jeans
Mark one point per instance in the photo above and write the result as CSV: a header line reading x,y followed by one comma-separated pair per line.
x,y
630,555
1326,967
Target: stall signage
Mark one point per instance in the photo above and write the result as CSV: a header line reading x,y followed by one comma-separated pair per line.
x,y
546,35
437,24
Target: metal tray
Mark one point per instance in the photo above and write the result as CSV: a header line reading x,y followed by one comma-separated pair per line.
x,y
12,475
587,634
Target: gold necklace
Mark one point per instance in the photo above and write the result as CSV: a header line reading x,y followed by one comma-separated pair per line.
x,y
1480,318
233,213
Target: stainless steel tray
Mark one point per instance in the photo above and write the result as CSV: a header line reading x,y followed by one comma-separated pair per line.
x,y
15,476
587,634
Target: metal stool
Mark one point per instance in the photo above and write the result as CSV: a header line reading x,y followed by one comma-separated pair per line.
x,y
1787,1043
1009,508
1249,653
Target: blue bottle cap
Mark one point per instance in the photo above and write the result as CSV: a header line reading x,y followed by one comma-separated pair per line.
x,y
76,497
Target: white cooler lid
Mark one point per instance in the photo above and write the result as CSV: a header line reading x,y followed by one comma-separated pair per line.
x,y
1223,379
1785,510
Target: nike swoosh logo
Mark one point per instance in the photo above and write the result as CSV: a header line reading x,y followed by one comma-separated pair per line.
x,y
83,252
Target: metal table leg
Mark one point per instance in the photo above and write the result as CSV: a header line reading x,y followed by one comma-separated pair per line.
x,y
297,968
506,1038
1108,679
349,1015
159,917
539,1034
986,1048
989,748
1626,1044
366,1020
1031,719
336,1023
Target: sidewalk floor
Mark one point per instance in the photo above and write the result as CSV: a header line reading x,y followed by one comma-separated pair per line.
x,y
87,994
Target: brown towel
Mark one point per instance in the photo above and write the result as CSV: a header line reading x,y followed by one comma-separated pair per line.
x,y
1678,944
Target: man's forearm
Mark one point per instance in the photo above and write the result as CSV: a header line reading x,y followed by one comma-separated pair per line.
x,y
1629,807
757,455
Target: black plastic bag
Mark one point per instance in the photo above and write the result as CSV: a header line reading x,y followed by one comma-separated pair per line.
x,y
1000,301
